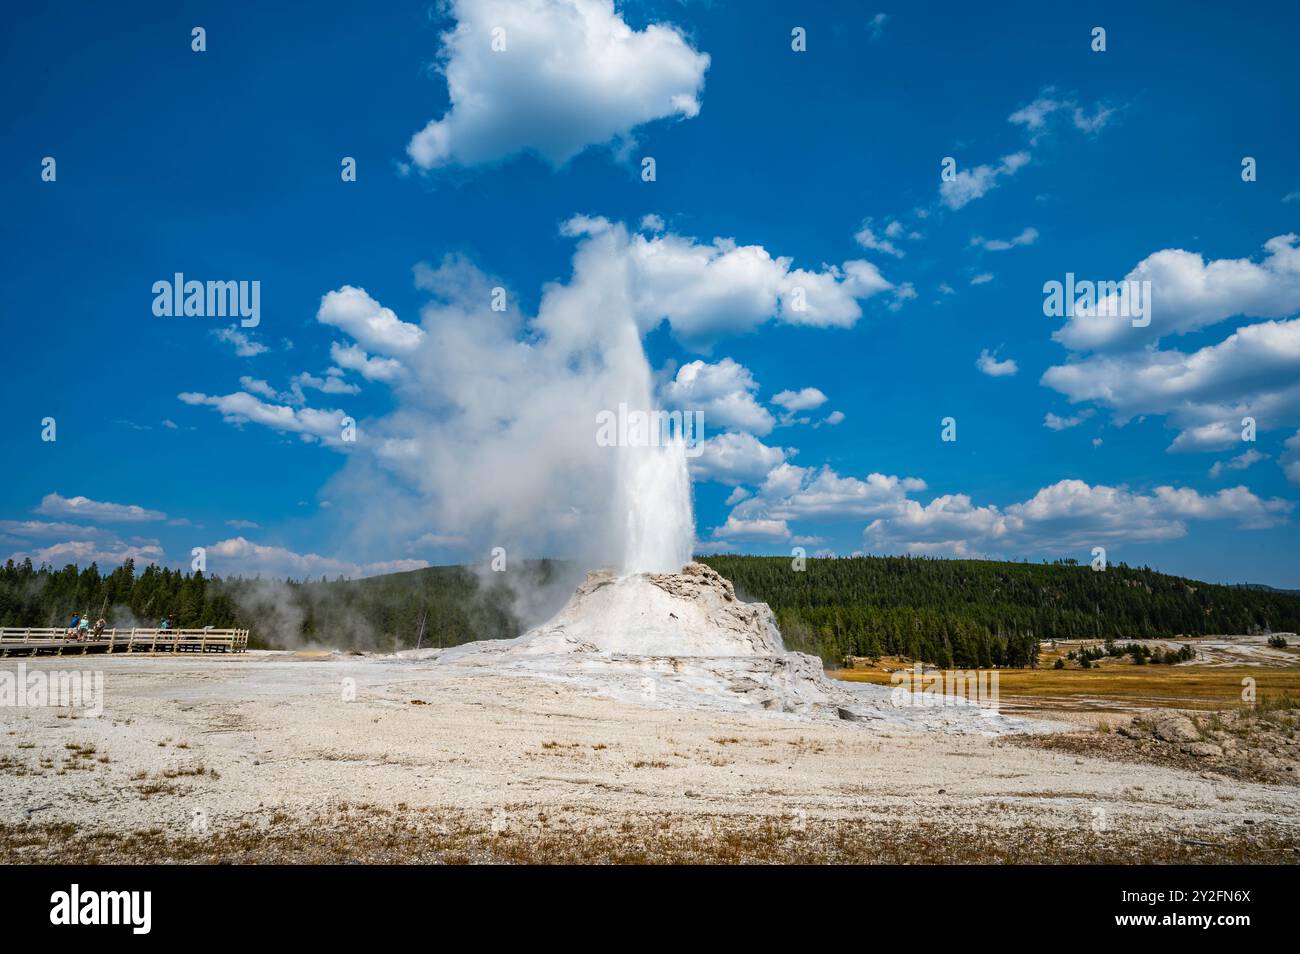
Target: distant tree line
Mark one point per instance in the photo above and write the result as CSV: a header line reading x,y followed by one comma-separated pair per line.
x,y
963,613
42,597
978,613
381,612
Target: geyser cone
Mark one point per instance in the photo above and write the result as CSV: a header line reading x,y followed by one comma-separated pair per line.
x,y
691,613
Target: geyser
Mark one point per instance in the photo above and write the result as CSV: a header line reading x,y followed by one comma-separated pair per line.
x,y
656,489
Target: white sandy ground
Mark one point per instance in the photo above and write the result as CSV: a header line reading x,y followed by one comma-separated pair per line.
x,y
277,732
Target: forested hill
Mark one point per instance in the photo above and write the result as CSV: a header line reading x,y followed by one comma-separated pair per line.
x,y
951,612
980,613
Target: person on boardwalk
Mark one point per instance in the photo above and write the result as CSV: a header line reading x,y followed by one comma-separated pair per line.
x,y
72,624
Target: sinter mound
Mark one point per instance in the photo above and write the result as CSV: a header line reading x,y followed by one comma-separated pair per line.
x,y
685,639
691,613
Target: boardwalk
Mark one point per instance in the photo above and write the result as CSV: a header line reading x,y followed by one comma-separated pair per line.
x,y
56,641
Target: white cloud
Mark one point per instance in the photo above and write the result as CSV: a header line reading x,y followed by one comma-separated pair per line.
x,y
377,328
1188,293
573,74
1069,514
1027,237
354,358
259,387
989,364
869,240
735,458
773,530
737,495
238,556
790,492
723,391
241,407
244,345
332,383
833,418
982,279
971,184
83,508
805,399
1055,422
1254,371
84,552
1290,460
1240,462
708,290
42,528
1036,115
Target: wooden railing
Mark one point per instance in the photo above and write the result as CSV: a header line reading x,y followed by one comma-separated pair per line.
x,y
30,641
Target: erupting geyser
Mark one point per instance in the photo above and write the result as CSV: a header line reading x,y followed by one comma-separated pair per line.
x,y
660,525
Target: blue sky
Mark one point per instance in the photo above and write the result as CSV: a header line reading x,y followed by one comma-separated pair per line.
x,y
820,171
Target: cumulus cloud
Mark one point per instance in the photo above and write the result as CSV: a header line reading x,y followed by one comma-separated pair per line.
x,y
708,290
84,552
1189,293
723,391
572,74
789,492
1255,371
989,364
805,399
1066,515
376,328
736,457
55,505
372,368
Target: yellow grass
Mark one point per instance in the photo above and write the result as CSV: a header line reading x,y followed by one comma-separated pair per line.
x,y
1191,687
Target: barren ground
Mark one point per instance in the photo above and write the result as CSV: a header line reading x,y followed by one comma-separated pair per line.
x,y
260,758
